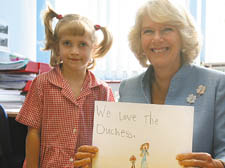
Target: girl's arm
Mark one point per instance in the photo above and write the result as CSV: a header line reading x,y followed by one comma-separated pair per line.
x,y
32,148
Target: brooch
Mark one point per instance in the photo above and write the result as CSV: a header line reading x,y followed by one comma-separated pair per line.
x,y
199,91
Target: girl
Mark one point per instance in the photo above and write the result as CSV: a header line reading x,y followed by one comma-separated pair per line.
x,y
144,152
59,107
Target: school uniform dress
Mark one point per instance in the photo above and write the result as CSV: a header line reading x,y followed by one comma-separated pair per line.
x,y
191,86
65,122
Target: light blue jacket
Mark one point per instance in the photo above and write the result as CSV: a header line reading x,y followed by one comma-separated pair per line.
x,y
209,115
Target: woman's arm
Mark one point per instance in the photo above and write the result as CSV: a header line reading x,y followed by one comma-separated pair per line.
x,y
219,121
32,148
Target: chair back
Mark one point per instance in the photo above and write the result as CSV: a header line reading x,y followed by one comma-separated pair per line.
x,y
5,141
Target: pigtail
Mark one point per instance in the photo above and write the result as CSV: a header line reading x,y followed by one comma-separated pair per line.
x,y
105,44
50,41
103,47
49,34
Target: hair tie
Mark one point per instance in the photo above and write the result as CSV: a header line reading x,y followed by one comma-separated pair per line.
x,y
97,27
59,17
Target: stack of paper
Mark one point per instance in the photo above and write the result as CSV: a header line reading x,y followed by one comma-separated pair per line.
x,y
14,80
9,62
11,98
13,65
11,84
16,76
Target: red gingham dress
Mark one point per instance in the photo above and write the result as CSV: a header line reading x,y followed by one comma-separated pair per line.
x,y
65,122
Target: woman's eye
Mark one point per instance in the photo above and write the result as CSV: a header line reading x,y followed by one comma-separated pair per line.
x,y
167,29
148,31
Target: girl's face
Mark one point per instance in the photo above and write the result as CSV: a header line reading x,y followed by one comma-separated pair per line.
x,y
76,51
161,44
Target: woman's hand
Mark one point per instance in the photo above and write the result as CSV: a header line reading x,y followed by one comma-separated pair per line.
x,y
202,160
84,156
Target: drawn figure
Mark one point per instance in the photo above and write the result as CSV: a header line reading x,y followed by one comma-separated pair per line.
x,y
144,153
132,160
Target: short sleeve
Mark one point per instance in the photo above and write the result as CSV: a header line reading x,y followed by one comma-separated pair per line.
x,y
31,111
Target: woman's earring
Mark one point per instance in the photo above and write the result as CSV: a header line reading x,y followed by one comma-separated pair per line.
x,y
91,60
91,63
59,60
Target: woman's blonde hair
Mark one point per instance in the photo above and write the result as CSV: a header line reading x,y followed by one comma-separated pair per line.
x,y
171,13
73,24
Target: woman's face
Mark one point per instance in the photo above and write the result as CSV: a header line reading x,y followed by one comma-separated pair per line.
x,y
161,44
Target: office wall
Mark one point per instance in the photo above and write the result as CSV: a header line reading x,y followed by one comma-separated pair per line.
x,y
20,15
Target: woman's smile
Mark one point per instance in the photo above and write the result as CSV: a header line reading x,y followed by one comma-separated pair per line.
x,y
160,50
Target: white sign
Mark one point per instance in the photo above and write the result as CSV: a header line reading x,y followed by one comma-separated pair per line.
x,y
132,135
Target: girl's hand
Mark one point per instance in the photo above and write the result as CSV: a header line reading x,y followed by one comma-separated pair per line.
x,y
202,160
84,156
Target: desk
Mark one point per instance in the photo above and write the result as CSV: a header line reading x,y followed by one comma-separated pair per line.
x,y
12,112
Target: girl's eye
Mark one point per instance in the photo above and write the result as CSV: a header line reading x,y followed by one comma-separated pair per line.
x,y
66,43
83,44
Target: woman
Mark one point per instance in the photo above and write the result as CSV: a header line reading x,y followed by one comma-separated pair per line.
x,y
165,36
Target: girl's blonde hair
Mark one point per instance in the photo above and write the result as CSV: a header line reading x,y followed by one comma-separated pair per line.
x,y
73,24
171,13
